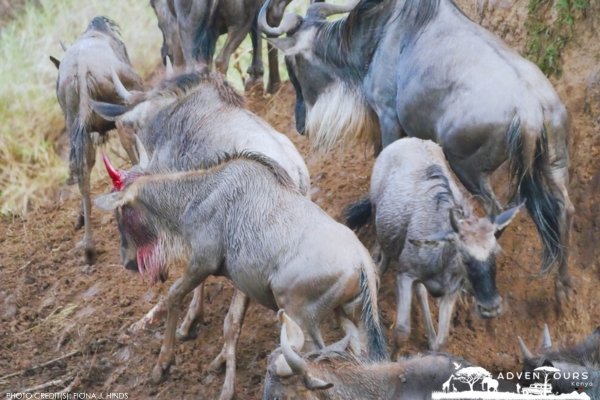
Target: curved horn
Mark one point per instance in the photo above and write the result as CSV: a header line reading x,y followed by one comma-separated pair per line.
x,y
168,68
526,353
116,175
63,45
454,221
119,87
289,22
324,10
294,360
142,153
547,340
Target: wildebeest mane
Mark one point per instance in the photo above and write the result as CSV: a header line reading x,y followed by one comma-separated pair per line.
x,y
183,84
443,193
273,166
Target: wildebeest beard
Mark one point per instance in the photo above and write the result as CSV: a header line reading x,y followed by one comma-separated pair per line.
x,y
151,246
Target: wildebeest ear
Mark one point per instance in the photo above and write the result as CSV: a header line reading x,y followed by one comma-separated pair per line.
x,y
284,44
55,61
434,240
505,218
109,111
109,202
313,383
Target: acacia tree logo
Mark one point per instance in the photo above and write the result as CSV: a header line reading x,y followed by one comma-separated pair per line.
x,y
471,375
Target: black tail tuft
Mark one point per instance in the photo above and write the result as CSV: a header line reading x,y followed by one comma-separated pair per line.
x,y
370,318
534,184
80,139
359,213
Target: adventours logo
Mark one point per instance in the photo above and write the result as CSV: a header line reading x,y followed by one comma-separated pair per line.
x,y
478,383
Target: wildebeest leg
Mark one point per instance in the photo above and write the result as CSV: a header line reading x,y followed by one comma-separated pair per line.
x,y
235,36
188,282
477,183
424,301
255,70
189,14
232,327
84,188
390,128
151,319
444,318
274,77
404,287
194,314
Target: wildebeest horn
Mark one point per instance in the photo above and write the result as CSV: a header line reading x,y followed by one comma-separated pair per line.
x,y
142,154
454,220
62,45
547,340
119,87
168,67
116,175
323,10
526,353
295,361
289,22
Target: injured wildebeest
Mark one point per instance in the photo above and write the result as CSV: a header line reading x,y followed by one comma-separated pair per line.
x,y
576,366
428,229
186,122
84,75
335,374
395,68
245,219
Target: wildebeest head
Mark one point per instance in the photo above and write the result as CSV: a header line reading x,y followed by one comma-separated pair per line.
x,y
474,241
288,375
142,248
321,96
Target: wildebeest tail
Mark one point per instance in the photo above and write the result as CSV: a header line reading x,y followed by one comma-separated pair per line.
x,y
359,213
370,317
530,172
205,41
79,143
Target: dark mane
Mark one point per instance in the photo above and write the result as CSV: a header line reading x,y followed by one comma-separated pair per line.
x,y
273,166
183,84
416,15
442,187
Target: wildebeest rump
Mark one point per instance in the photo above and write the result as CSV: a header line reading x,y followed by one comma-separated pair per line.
x,y
186,123
245,219
199,23
422,68
84,74
429,231
579,364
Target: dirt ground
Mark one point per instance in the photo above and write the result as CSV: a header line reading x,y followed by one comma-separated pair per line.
x,y
52,305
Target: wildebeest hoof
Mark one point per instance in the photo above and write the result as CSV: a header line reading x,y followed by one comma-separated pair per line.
x,y
159,374
217,365
80,222
189,334
90,256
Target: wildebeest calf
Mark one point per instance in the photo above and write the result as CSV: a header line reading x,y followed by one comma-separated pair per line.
x,y
424,223
245,219
84,74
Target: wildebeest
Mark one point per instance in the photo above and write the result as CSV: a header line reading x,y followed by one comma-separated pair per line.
x,y
579,365
421,68
84,75
338,375
245,219
186,123
426,226
199,24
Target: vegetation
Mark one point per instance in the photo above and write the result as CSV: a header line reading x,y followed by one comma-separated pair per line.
x,y
30,117
547,40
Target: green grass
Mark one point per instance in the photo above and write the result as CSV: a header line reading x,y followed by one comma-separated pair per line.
x,y
30,117
546,41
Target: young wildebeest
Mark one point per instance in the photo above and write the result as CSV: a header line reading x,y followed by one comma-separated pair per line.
x,y
397,68
579,365
245,219
339,375
191,28
186,123
424,223
84,74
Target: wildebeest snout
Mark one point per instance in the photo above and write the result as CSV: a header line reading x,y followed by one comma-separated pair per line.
x,y
491,308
